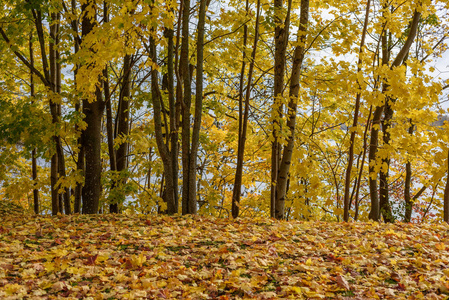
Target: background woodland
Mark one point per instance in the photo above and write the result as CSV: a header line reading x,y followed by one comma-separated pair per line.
x,y
328,110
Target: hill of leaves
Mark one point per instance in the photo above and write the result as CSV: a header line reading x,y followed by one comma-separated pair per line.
x,y
136,257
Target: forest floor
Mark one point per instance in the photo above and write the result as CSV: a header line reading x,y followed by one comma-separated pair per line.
x,y
192,257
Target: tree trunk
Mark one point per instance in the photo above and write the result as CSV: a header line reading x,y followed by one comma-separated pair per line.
x,y
374,139
407,185
55,160
122,131
243,119
359,179
298,58
446,195
185,107
80,167
174,118
33,152
163,148
189,150
238,175
384,203
346,200
281,33
198,107
91,136
109,121
78,109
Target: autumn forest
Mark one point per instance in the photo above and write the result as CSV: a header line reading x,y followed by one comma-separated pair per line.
x,y
294,110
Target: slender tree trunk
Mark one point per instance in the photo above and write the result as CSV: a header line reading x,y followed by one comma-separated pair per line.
x,y
78,109
178,105
80,168
163,148
109,121
61,158
238,178
407,185
346,200
374,139
281,33
33,152
110,133
359,179
185,107
243,119
298,58
198,107
55,164
384,202
91,136
446,196
174,117
123,130
189,150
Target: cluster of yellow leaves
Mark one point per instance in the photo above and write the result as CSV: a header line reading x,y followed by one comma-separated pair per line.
x,y
115,256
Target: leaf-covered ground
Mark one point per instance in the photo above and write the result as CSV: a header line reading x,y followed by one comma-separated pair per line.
x,y
116,256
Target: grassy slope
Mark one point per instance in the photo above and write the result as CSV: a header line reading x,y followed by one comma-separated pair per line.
x,y
115,256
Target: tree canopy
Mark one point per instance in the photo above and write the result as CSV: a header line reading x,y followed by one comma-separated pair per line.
x,y
328,110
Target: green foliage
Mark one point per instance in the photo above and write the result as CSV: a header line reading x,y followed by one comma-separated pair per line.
x,y
24,123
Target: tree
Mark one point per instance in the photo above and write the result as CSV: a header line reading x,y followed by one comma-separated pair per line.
x,y
93,107
383,206
280,39
243,116
287,150
346,200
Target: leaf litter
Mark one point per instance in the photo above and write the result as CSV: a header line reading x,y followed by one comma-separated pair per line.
x,y
193,257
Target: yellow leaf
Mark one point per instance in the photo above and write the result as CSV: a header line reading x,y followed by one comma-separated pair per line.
x,y
138,260
440,246
296,289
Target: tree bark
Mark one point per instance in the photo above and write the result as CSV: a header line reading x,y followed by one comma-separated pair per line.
x,y
163,148
407,185
58,169
298,58
446,196
346,200
281,34
374,139
122,131
174,119
78,109
91,136
238,179
198,107
243,119
33,152
185,107
61,159
384,203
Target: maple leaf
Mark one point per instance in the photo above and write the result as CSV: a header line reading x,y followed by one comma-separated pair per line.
x,y
91,260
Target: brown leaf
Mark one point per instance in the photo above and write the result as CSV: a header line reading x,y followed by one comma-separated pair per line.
x,y
341,281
